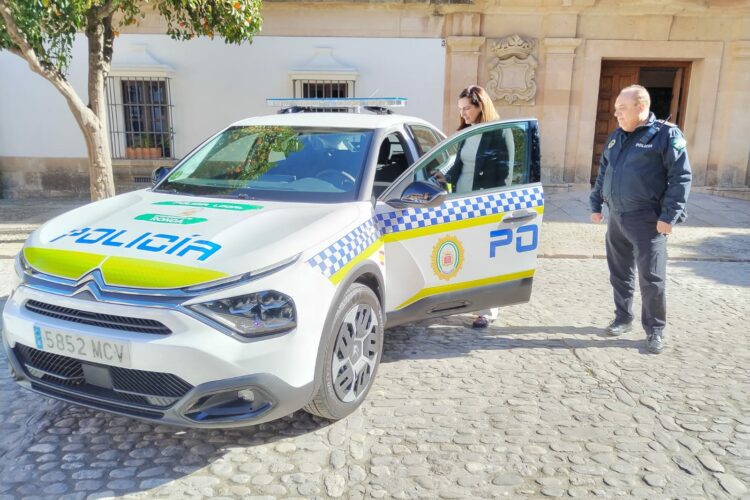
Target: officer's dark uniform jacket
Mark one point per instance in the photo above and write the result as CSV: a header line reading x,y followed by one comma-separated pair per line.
x,y
647,168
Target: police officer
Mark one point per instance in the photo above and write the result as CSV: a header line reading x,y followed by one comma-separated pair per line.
x,y
644,179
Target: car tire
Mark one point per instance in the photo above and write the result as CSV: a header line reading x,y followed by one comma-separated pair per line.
x,y
351,356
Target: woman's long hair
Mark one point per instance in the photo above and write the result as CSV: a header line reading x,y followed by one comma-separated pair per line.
x,y
478,97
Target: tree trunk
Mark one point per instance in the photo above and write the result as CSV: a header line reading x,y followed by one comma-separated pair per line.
x,y
101,177
92,119
98,33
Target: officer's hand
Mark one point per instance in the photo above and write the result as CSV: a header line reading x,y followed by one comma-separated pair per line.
x,y
597,218
663,227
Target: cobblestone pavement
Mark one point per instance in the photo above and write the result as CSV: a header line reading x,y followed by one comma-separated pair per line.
x,y
538,405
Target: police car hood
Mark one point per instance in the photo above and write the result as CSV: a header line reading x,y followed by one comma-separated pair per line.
x,y
153,240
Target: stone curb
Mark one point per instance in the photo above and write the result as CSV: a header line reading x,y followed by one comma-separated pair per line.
x,y
677,258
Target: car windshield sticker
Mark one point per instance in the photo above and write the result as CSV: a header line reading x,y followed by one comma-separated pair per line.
x,y
170,219
447,257
235,207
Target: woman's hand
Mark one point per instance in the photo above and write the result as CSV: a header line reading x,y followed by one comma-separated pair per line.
x,y
438,177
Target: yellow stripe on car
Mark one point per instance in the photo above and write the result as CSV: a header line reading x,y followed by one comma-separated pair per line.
x,y
141,273
62,263
454,287
450,226
120,271
341,273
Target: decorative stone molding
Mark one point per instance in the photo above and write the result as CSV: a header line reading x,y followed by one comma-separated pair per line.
x,y
561,45
740,49
465,43
512,71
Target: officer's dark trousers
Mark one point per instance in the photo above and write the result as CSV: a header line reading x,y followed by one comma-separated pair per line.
x,y
633,242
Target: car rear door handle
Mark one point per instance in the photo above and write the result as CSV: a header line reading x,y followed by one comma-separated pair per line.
x,y
520,217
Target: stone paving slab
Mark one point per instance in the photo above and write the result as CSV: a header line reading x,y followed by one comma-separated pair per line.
x,y
538,405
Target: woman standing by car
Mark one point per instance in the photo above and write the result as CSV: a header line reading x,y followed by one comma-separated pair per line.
x,y
483,161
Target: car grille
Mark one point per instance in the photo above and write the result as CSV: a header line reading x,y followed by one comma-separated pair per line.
x,y
150,390
140,325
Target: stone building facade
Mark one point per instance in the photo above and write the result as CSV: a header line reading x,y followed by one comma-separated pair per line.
x,y
561,61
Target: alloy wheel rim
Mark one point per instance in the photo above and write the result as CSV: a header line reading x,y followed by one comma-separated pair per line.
x,y
355,353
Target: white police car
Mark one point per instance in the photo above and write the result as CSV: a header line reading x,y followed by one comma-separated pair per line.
x,y
257,277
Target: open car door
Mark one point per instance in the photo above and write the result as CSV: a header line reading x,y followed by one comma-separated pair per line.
x,y
461,227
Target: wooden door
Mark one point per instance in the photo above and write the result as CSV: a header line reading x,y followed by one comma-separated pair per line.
x,y
619,74
674,106
614,77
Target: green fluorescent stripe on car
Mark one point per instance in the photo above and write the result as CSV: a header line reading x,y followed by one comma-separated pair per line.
x,y
141,273
62,263
241,207
170,219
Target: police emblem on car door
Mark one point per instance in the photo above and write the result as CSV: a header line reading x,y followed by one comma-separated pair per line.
x,y
461,227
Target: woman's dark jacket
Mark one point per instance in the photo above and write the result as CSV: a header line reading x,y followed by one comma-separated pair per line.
x,y
492,162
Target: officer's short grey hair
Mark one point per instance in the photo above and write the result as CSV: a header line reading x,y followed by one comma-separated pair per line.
x,y
639,93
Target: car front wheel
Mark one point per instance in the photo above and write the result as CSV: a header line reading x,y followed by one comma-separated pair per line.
x,y
352,354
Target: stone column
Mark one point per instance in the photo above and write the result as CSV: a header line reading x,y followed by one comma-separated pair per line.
x,y
735,148
461,70
558,82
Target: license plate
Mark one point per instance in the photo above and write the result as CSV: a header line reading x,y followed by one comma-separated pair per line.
x,y
98,350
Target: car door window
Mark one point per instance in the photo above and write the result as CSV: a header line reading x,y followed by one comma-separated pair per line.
x,y
391,163
490,157
425,138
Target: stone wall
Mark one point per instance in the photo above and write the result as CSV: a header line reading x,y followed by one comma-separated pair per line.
x,y
565,44
67,177
571,38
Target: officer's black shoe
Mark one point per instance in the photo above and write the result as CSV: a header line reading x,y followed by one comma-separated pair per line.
x,y
655,343
617,328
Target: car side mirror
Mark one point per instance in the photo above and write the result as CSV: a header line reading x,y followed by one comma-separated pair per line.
x,y
159,173
420,194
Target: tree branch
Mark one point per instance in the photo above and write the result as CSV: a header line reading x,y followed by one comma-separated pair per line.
x,y
24,50
14,51
108,44
109,8
27,52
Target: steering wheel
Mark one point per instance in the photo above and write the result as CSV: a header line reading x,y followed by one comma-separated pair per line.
x,y
344,178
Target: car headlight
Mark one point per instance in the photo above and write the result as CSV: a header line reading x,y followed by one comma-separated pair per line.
x,y
254,314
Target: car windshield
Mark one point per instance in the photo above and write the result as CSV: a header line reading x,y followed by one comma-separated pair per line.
x,y
319,165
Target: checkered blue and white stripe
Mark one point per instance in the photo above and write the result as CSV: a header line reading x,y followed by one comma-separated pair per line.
x,y
339,254
456,210
336,256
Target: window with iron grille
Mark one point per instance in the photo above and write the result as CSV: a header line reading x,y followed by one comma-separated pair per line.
x,y
321,89
140,118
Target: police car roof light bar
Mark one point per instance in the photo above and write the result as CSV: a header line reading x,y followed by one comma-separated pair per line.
x,y
344,102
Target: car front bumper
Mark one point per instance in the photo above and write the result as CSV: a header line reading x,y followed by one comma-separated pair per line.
x,y
195,376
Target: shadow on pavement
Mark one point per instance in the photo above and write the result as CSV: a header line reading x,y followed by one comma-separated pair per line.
x,y
453,337
736,274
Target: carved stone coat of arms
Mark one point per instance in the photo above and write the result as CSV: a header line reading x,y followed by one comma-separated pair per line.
x,y
512,71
